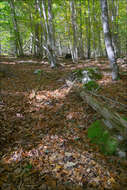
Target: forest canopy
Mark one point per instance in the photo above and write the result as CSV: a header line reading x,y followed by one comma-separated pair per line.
x,y
27,26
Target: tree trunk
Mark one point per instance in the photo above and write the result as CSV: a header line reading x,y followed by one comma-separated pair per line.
x,y
16,29
81,50
87,23
108,40
74,29
50,46
112,121
67,29
37,34
115,36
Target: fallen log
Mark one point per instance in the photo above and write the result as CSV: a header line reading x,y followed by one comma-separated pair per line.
x,y
111,120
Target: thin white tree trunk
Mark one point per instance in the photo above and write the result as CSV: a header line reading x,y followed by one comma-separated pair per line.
x,y
74,29
108,40
50,46
81,50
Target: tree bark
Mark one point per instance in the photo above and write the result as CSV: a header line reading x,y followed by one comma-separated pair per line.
x,y
87,23
115,36
81,49
50,46
113,122
16,29
108,40
74,29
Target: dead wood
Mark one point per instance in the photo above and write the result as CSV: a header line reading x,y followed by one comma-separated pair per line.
x,y
112,120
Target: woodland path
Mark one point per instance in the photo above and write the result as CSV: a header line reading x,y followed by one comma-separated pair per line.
x,y
43,129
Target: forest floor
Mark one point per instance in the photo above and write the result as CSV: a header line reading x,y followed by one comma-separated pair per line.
x,y
43,129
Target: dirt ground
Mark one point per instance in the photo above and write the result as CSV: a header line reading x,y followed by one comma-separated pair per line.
x,y
43,128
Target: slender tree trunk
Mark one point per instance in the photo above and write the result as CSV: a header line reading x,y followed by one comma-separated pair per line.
x,y
16,29
108,40
74,29
50,46
32,34
101,51
37,34
59,47
67,28
115,37
87,24
81,50
43,28
93,28
88,34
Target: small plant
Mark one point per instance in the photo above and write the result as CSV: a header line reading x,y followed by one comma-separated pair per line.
x,y
94,73
38,71
91,85
78,72
125,118
100,136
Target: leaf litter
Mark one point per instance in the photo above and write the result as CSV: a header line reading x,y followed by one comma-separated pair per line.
x,y
43,127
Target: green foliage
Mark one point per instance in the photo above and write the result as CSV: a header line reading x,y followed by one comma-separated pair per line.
x,y
94,73
95,131
99,135
28,16
91,85
125,118
38,71
110,146
78,72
